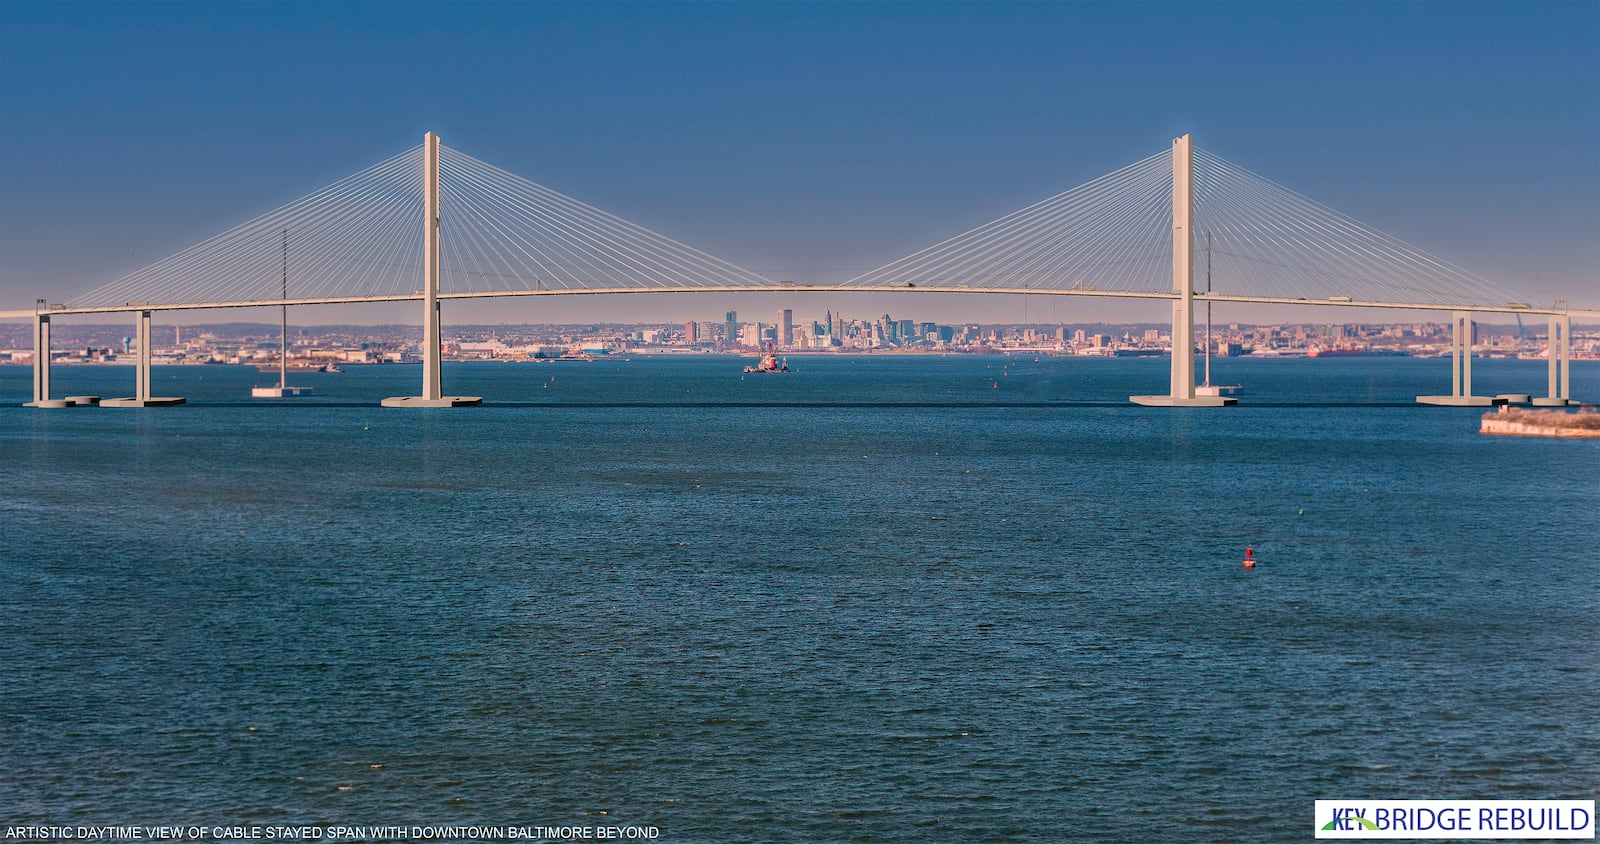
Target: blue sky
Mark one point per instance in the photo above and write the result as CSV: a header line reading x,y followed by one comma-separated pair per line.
x,y
807,141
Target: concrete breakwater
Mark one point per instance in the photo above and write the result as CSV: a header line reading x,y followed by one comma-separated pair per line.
x,y
1516,422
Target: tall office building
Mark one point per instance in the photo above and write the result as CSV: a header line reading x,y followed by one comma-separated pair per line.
x,y
691,332
785,328
750,336
730,330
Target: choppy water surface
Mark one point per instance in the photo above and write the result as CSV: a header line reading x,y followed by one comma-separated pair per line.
x,y
878,599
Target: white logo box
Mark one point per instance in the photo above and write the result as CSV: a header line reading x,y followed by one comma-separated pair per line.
x,y
1480,819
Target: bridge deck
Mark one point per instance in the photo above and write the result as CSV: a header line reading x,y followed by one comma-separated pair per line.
x,y
1339,302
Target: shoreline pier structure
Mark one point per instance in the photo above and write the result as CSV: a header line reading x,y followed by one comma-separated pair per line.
x,y
1129,234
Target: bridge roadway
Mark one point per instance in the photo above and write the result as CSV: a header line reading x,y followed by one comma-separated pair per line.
x,y
1339,302
1461,360
1182,297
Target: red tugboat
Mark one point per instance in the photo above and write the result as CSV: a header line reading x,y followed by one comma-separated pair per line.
x,y
769,362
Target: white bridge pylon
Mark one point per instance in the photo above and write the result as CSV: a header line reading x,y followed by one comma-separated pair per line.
x,y
433,224
1135,231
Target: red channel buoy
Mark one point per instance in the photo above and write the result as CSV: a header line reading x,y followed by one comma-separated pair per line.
x,y
1249,557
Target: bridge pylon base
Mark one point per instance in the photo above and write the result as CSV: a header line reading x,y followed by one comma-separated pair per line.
x,y
424,401
1461,401
154,401
1180,401
69,401
1551,401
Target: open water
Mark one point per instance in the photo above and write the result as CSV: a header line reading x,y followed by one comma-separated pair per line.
x,y
876,599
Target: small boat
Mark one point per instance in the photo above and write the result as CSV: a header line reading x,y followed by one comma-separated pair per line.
x,y
283,390
769,362
1209,389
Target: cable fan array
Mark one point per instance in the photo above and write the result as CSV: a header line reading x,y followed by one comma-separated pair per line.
x,y
1269,241
502,232
1114,235
361,236
1111,234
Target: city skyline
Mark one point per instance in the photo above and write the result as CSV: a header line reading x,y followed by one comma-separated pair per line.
x,y
862,159
243,342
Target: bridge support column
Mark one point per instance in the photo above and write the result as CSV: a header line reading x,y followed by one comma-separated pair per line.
x,y
432,389
41,358
1559,352
41,365
1182,392
1462,328
141,376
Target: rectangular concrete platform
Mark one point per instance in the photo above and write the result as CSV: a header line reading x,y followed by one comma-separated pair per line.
x,y
156,401
279,392
442,401
1550,401
1461,401
1173,401
69,401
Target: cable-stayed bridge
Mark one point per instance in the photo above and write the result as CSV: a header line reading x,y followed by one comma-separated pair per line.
x,y
434,223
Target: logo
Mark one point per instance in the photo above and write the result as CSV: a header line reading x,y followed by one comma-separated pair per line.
x,y
1341,822
1502,819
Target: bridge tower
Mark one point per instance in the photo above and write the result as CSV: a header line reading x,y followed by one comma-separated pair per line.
x,y
432,389
1182,393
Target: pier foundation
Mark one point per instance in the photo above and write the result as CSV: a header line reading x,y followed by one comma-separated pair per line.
x,y
41,365
1461,330
142,397
1559,352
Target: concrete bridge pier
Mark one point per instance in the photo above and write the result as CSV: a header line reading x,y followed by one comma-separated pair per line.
x,y
41,365
432,392
1560,354
1461,331
142,397
1182,383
